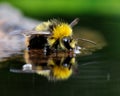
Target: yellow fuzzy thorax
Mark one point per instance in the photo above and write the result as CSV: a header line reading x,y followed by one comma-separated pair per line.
x,y
62,30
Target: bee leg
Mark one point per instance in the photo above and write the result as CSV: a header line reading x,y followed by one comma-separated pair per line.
x,y
55,50
70,51
77,49
55,46
48,50
45,50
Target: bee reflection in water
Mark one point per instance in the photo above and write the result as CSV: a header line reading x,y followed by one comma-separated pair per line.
x,y
57,66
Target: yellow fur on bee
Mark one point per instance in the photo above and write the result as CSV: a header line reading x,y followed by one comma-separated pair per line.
x,y
51,62
51,41
62,30
45,73
60,72
73,43
43,26
72,61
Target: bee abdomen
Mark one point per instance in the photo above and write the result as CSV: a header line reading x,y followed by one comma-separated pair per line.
x,y
37,42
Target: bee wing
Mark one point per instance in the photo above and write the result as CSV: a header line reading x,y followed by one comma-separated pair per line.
x,y
86,40
90,40
40,32
31,32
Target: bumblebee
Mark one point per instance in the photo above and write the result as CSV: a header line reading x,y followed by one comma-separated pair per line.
x,y
53,34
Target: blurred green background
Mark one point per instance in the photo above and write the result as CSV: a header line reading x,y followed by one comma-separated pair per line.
x,y
102,15
41,8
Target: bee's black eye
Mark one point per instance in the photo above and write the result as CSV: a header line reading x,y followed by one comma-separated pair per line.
x,y
65,65
65,39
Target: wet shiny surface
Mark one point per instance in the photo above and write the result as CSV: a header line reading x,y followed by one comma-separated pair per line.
x,y
92,75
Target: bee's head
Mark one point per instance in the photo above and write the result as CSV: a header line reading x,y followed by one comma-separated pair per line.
x,y
58,31
68,43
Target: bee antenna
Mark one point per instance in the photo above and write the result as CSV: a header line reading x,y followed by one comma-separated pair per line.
x,y
74,22
87,40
